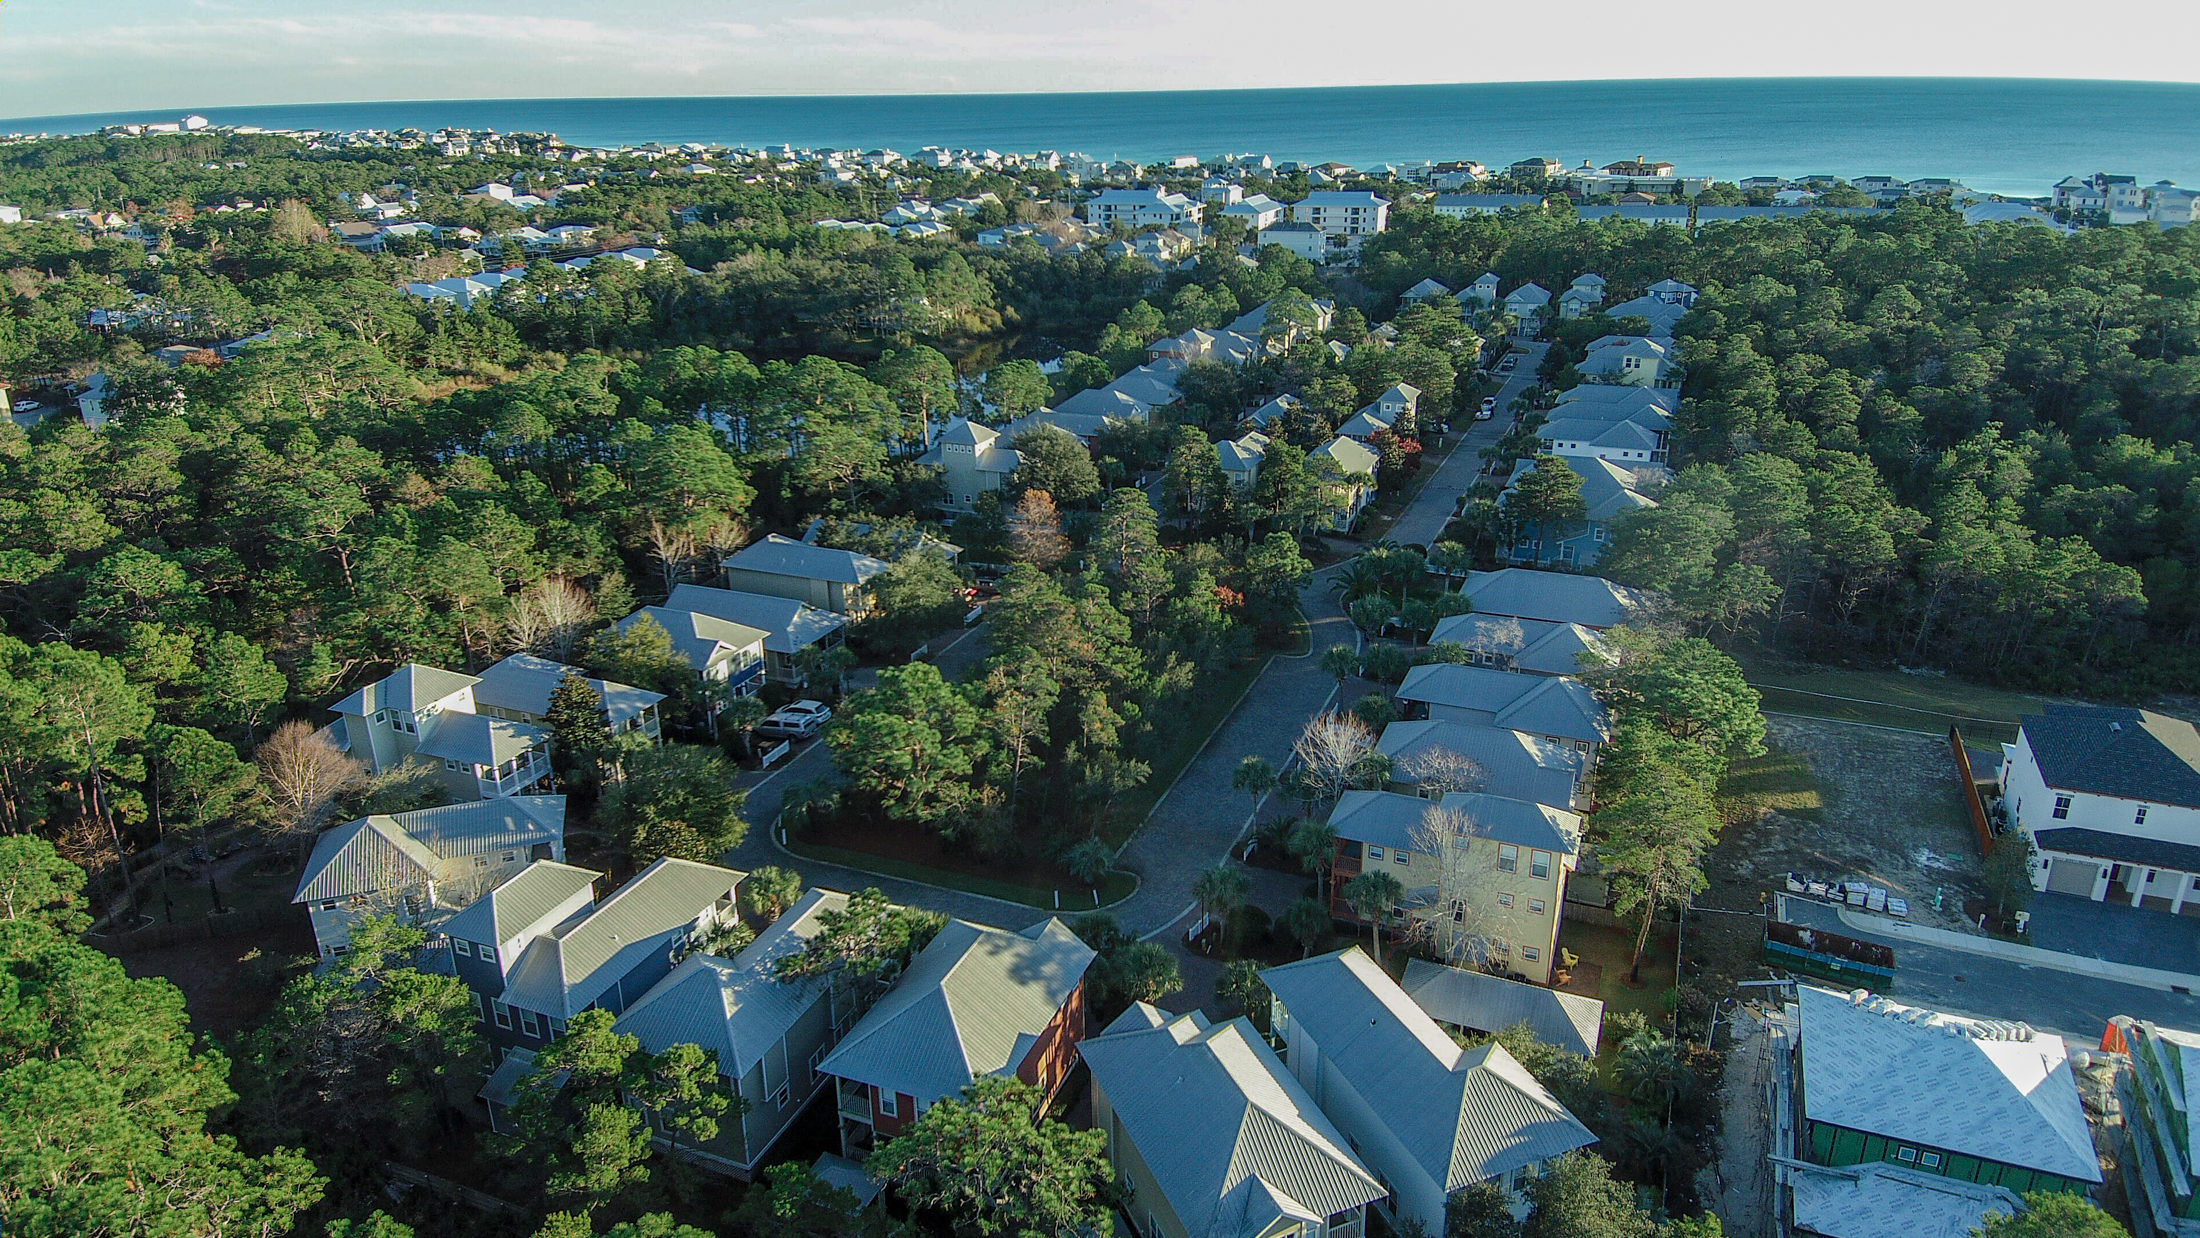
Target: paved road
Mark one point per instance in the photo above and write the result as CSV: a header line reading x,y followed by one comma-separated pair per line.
x,y
2076,1006
1424,522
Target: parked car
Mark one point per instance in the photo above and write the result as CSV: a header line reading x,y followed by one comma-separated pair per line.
x,y
27,406
800,720
1488,409
1506,366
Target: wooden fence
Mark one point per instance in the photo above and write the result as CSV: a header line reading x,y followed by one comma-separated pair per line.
x,y
1979,824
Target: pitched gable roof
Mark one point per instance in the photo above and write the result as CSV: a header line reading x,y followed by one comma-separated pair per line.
x,y
1536,645
1536,704
478,739
385,850
570,968
697,637
739,1007
1514,765
1480,1002
1463,1115
408,688
1557,597
789,624
783,556
972,1003
1233,1140
526,903
523,683
2107,750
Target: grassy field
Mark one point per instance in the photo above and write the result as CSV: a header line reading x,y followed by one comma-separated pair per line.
x,y
1889,698
1778,781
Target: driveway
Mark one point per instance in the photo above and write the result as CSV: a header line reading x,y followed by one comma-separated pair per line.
x,y
2117,932
2074,1005
1423,522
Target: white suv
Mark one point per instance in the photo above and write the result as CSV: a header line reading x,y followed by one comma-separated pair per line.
x,y
800,720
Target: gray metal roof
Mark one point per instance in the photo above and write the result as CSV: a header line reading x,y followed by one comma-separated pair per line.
x,y
1999,1092
1879,1200
2134,754
408,688
697,637
1573,399
972,1003
1556,597
1480,1002
1384,818
1518,766
1536,704
847,1175
1533,644
738,1008
528,902
568,969
790,625
1521,822
1211,1109
477,739
523,683
1464,1115
783,556
365,854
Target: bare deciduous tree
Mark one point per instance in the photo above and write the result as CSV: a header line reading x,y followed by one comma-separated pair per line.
x,y
1441,771
1333,750
674,547
550,617
1459,926
301,776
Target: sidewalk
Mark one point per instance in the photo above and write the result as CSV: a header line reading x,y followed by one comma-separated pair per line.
x,y
2023,956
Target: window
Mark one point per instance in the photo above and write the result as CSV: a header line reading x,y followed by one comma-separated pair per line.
x,y
463,949
1906,1155
1458,911
450,764
503,1014
510,856
2062,808
1504,900
2140,817
888,1103
1374,853
381,715
1536,905
1399,855
479,1012
328,904
1539,864
1929,1160
816,1058
557,1027
778,1095
1499,945
1531,953
1508,858
529,1024
481,861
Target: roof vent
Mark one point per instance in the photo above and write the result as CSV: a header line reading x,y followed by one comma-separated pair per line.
x,y
2115,726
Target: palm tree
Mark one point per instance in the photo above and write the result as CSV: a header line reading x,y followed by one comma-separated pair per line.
x,y
1221,890
1308,923
1372,894
1652,1069
1341,661
1255,776
1088,861
1315,843
1359,579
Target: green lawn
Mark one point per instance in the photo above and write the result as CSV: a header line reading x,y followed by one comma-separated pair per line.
x,y
1779,781
1889,698
1070,899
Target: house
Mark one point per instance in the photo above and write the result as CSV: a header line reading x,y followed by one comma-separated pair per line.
x,y
1461,205
1482,1004
538,950
1240,458
1554,597
1554,707
1608,493
1344,217
1527,301
726,656
1528,646
1400,400
1211,1137
1880,1200
1575,302
518,689
1257,211
1618,402
977,1001
1630,444
1673,292
1142,208
973,460
1426,290
1979,1101
1221,191
2159,1092
1482,292
1661,314
421,866
2110,799
1432,756
1632,360
1260,417
826,578
1303,239
1428,1117
1356,467
419,713
789,625
1363,426
769,1034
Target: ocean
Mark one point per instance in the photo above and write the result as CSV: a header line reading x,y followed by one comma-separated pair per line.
x,y
2008,136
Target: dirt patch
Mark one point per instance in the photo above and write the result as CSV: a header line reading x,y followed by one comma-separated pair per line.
x,y
1738,1181
227,982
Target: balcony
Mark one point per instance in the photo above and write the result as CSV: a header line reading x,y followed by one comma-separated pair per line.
x,y
513,776
853,1100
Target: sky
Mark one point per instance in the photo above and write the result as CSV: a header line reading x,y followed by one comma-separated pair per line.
x,y
60,57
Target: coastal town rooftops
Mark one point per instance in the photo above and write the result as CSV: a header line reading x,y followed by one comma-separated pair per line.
x,y
1465,1115
737,1007
2134,754
1232,1139
1556,597
1481,1002
2001,1092
377,852
407,688
784,556
972,1003
790,625
523,683
568,969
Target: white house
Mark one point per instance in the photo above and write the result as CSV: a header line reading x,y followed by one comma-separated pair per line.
x,y
1343,214
1482,292
2110,799
973,461
420,713
1635,360
1303,239
1143,208
1461,205
421,866
1257,210
1240,458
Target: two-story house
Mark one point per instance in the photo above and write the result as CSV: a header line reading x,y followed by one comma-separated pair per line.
x,y
1240,458
770,1034
422,866
1609,492
1256,211
789,626
1431,757
1555,708
1555,597
1528,646
829,579
2110,799
1481,294
976,1001
518,689
973,462
728,657
1427,1117
1211,1137
1528,302
539,950
1632,360
422,714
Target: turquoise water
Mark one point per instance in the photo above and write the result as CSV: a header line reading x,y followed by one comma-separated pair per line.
x,y
1997,135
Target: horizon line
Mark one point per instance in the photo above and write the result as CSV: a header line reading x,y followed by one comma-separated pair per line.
x,y
189,109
